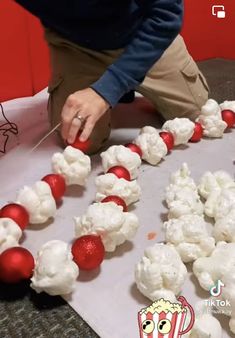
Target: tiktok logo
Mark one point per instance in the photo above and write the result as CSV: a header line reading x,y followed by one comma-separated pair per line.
x,y
216,290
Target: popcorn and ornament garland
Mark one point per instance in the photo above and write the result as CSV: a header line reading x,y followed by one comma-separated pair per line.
x,y
107,222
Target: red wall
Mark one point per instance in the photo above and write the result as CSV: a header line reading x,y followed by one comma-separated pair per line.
x,y
24,65
207,36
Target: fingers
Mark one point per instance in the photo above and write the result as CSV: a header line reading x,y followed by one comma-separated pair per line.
x,y
73,130
68,113
90,106
87,130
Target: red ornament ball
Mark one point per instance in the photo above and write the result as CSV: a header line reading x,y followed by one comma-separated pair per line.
x,y
57,185
198,133
16,264
228,116
83,146
133,147
116,199
120,172
16,212
168,138
88,252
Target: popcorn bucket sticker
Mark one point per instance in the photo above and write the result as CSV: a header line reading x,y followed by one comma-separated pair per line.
x,y
164,319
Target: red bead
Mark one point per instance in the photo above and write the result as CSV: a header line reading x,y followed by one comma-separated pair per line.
x,y
120,172
228,116
168,138
16,212
116,199
88,252
198,133
57,185
83,146
16,264
133,147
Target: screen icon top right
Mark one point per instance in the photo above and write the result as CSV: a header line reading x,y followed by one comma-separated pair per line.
x,y
218,11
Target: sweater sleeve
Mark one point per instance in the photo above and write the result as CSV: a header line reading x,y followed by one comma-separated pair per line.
x,y
160,26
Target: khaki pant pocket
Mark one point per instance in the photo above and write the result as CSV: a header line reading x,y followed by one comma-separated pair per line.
x,y
196,83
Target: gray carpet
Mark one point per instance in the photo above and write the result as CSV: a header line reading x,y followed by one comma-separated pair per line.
x,y
220,75
24,314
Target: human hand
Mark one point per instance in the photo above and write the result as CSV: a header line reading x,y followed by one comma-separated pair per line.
x,y
86,104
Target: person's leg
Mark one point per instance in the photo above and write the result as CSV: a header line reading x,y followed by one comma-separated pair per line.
x,y
75,68
175,85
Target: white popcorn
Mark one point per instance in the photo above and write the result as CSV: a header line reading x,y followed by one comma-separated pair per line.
x,y
10,233
224,229
73,165
190,237
55,271
152,145
211,107
214,181
38,201
160,273
182,178
181,128
149,130
181,195
186,201
211,120
228,105
209,270
121,156
220,203
108,221
110,184
213,125
219,266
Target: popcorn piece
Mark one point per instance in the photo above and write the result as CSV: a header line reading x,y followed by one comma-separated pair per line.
x,y
108,221
123,156
211,120
55,271
224,229
213,126
228,105
219,266
160,273
152,146
73,164
190,237
182,178
38,201
209,270
211,107
181,128
149,130
214,181
220,203
110,184
181,195
10,233
187,202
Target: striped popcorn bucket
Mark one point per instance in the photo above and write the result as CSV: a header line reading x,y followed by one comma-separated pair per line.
x,y
165,320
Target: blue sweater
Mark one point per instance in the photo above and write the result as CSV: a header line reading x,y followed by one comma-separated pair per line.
x,y
144,28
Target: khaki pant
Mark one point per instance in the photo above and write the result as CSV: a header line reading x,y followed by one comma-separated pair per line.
x,y
174,84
